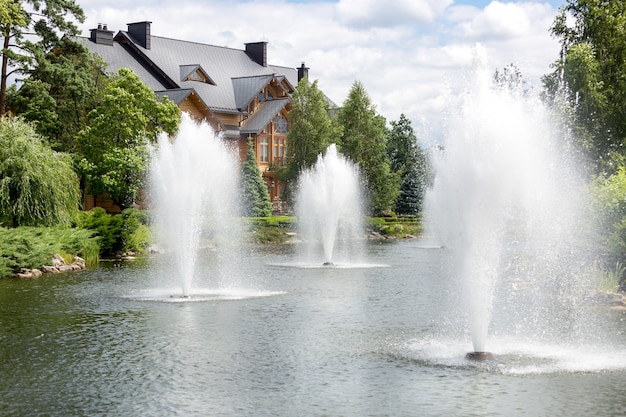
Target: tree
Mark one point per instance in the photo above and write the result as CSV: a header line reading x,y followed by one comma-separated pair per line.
x,y
46,20
59,93
590,68
255,198
410,162
510,78
38,186
114,144
364,141
311,129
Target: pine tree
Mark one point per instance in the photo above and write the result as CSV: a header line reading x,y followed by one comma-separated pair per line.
x,y
255,198
409,161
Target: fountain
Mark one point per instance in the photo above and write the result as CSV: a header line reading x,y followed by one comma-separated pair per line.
x,y
194,182
505,203
329,208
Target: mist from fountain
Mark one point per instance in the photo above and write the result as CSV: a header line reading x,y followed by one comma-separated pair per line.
x,y
507,202
329,209
194,181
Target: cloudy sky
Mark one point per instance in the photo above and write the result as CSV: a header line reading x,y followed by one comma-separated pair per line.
x,y
407,53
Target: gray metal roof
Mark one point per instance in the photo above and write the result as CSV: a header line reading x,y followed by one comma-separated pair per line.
x,y
261,117
176,95
160,68
246,88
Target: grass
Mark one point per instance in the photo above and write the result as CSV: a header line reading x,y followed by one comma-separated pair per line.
x,y
396,227
277,229
274,229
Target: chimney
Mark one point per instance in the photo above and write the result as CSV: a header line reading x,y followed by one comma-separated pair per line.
x,y
102,35
257,51
140,32
303,72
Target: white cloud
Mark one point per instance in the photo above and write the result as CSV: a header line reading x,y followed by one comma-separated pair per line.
x,y
390,13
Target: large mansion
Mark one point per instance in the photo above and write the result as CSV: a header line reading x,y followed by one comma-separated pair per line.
x,y
234,90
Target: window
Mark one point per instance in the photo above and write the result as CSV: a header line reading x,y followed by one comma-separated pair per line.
x,y
280,124
263,149
279,150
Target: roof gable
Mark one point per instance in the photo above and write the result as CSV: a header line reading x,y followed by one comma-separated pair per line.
x,y
266,112
246,88
194,73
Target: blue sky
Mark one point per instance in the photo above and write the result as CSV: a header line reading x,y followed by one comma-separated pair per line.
x,y
409,54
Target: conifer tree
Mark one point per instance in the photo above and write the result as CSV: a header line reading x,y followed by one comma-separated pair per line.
x,y
255,198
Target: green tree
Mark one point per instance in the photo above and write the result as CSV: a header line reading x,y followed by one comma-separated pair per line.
x,y
591,68
115,142
511,78
311,129
47,20
38,186
410,162
364,141
255,198
57,96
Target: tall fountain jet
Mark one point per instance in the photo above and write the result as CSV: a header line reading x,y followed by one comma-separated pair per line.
x,y
504,203
329,207
194,181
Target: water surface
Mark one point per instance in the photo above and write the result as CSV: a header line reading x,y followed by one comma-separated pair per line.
x,y
296,341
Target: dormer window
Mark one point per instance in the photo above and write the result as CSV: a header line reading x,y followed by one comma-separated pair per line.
x,y
194,73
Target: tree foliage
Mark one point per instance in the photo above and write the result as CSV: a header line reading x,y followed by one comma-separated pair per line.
x,y
47,20
114,144
255,198
59,93
311,129
591,69
410,162
364,141
38,186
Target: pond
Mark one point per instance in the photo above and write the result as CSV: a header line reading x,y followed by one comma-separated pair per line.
x,y
379,339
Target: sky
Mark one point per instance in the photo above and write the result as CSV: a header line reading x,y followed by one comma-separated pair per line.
x,y
408,54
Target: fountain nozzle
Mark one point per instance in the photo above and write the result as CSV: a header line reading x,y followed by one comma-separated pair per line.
x,y
479,356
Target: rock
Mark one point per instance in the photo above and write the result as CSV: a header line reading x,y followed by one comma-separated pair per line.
x,y
48,269
57,260
24,274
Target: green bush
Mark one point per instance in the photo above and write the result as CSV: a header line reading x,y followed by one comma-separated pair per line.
x,y
32,247
396,226
271,229
119,233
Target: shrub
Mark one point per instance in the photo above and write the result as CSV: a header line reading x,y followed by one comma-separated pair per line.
x,y
32,247
119,233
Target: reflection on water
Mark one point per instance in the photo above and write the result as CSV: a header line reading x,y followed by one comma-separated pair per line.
x,y
290,342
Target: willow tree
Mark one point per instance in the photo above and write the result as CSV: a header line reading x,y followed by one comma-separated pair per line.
x,y
38,186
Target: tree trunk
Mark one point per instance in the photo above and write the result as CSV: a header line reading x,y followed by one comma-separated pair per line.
x,y
3,78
